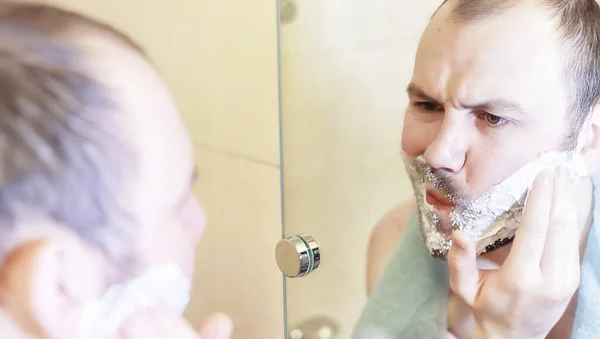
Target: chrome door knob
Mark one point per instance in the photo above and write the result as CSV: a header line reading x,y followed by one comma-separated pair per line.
x,y
297,255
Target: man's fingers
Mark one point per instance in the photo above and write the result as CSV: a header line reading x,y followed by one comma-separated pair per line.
x,y
142,325
528,246
217,326
464,276
561,253
161,323
173,323
158,322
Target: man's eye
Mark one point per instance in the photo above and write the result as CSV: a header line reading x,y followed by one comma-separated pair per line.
x,y
493,119
428,106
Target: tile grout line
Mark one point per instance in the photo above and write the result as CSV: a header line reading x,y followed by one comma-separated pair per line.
x,y
236,155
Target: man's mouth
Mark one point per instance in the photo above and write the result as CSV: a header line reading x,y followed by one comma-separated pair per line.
x,y
438,201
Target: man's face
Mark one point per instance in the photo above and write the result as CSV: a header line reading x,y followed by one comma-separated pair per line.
x,y
485,99
165,221
169,219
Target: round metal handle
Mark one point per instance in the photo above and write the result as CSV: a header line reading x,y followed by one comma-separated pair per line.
x,y
297,255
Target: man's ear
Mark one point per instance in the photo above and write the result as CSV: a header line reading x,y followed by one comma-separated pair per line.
x,y
589,141
44,285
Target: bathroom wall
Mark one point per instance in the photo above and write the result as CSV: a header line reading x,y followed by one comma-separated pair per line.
x,y
345,64
219,58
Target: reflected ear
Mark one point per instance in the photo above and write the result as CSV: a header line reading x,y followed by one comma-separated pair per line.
x,y
44,284
589,141
15,287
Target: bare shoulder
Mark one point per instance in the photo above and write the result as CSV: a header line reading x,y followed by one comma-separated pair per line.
x,y
384,238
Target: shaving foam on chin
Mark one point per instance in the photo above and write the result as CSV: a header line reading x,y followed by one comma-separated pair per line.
x,y
491,218
103,317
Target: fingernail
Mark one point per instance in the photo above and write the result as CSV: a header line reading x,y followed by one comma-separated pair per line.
x,y
132,326
226,328
458,240
548,176
544,180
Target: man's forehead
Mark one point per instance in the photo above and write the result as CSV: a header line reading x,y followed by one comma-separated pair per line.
x,y
151,120
514,57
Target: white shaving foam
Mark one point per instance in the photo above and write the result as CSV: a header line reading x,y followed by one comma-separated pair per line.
x,y
492,217
103,317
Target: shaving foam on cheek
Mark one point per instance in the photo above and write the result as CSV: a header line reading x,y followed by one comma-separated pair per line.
x,y
103,317
501,225
490,219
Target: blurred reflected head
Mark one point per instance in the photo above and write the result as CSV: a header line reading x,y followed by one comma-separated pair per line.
x,y
96,169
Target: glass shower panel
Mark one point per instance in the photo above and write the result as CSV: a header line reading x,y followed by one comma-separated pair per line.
x,y
345,65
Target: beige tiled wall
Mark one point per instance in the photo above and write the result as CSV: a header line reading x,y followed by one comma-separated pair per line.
x,y
219,58
237,271
346,64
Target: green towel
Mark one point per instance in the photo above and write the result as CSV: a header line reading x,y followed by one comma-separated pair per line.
x,y
409,300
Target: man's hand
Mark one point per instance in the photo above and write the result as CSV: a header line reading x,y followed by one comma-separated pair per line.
x,y
527,296
163,324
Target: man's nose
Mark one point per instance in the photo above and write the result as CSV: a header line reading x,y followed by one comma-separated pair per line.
x,y
448,150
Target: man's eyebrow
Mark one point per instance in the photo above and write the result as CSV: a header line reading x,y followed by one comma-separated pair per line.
x,y
498,105
194,176
414,91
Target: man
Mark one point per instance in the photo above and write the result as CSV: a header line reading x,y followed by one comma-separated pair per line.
x,y
97,220
502,91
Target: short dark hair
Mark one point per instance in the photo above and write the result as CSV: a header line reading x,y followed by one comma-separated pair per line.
x,y
579,28
61,151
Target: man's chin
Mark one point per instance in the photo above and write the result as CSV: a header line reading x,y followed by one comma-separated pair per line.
x,y
438,245
438,237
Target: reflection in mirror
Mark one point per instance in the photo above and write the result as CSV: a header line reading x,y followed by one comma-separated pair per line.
x,y
493,103
318,327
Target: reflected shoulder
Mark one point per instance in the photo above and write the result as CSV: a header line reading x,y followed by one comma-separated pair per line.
x,y
384,237
398,216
